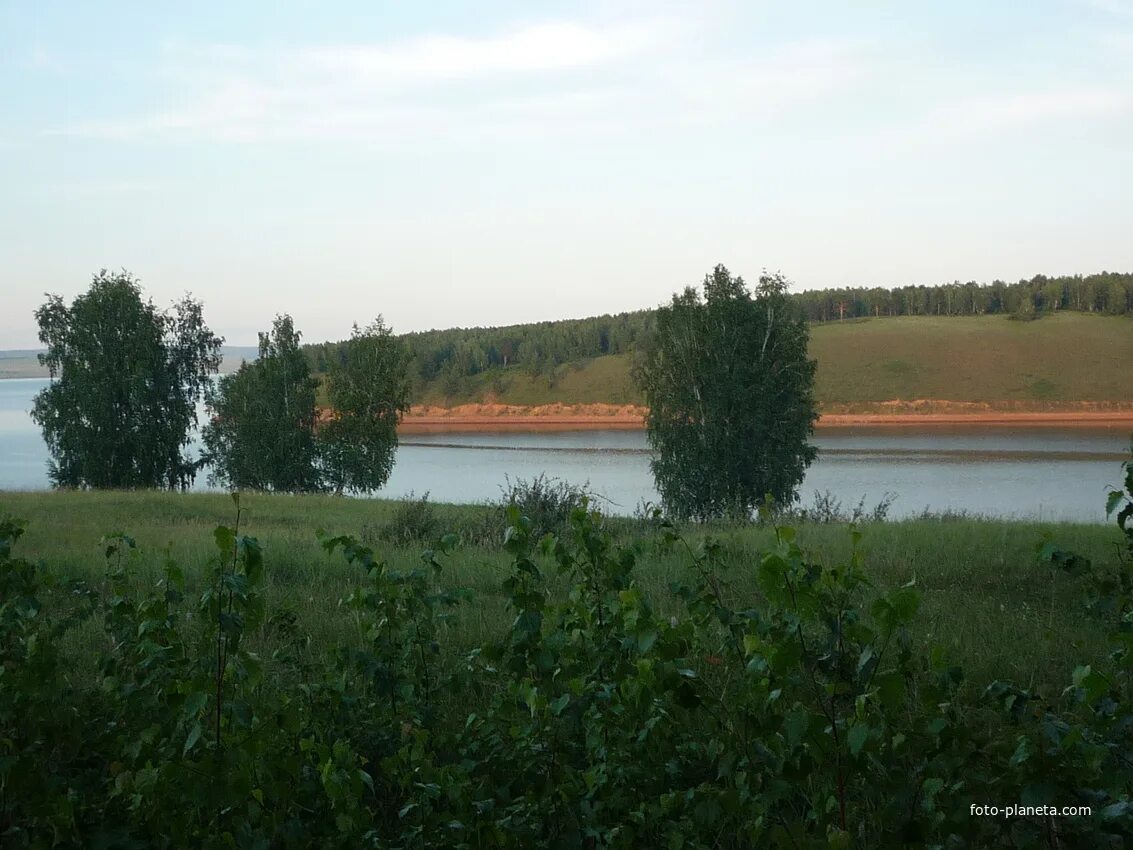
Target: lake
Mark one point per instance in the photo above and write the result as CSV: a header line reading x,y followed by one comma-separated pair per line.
x,y
1045,473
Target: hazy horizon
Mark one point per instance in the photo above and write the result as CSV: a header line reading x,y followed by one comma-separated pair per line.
x,y
455,166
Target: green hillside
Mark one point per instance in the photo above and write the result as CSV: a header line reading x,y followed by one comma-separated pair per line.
x,y
1061,358
1058,359
596,379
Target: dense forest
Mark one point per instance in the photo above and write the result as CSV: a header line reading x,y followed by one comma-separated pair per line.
x,y
1110,293
539,347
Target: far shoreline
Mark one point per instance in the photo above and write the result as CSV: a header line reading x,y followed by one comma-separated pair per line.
x,y
594,417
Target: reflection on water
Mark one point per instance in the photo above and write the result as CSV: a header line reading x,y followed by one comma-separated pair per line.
x,y
1047,473
1044,473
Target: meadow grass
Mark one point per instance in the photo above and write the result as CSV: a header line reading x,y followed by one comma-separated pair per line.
x,y
974,358
986,600
861,362
596,379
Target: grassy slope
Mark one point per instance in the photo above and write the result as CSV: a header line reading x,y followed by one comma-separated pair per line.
x,y
1060,358
985,598
1068,357
599,379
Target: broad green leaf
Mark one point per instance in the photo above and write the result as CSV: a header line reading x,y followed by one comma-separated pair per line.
x,y
192,738
1112,501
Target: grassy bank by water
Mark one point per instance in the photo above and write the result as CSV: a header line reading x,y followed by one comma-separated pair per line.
x,y
986,600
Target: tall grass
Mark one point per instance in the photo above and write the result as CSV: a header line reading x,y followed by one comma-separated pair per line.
x,y
985,597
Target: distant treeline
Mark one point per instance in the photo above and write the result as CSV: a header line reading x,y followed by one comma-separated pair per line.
x,y
537,347
1110,293
541,346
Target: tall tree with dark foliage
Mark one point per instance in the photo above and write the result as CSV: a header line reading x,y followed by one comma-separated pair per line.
x,y
126,379
368,390
262,433
731,397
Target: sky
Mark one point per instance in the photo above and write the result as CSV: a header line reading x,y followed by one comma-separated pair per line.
x,y
484,163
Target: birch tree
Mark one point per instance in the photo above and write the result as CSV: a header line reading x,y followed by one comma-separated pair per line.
x,y
730,391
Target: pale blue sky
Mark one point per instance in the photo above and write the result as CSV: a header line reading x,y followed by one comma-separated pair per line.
x,y
451,163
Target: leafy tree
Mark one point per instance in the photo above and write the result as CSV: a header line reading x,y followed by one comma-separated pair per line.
x,y
126,379
1026,311
1117,297
731,397
262,433
368,389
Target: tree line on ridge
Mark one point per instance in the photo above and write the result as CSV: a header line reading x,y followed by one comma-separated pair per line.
x,y
538,347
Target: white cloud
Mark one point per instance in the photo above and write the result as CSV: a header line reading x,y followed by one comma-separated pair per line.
x,y
543,47
548,79
1116,44
975,115
787,74
103,188
1121,8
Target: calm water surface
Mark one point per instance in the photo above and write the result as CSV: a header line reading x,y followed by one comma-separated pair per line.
x,y
1043,473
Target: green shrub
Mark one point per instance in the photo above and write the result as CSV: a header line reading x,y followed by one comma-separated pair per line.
x,y
796,716
828,508
546,502
414,521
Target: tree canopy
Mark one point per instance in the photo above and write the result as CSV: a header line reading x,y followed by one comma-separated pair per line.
x,y
126,379
368,390
262,433
730,394
266,432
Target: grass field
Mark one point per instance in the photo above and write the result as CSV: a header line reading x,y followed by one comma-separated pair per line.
x,y
985,599
599,379
1067,357
1055,361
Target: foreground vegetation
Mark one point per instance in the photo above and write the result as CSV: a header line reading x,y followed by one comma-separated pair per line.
x,y
984,596
620,685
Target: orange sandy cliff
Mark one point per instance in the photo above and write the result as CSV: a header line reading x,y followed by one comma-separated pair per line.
x,y
567,417
510,417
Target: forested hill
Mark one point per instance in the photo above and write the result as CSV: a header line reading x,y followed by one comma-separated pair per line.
x,y
1108,293
535,348
588,359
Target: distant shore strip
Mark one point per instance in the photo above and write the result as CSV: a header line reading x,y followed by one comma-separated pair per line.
x,y
594,417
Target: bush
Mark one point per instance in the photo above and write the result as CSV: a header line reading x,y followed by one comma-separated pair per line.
x,y
799,717
547,502
414,521
827,508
